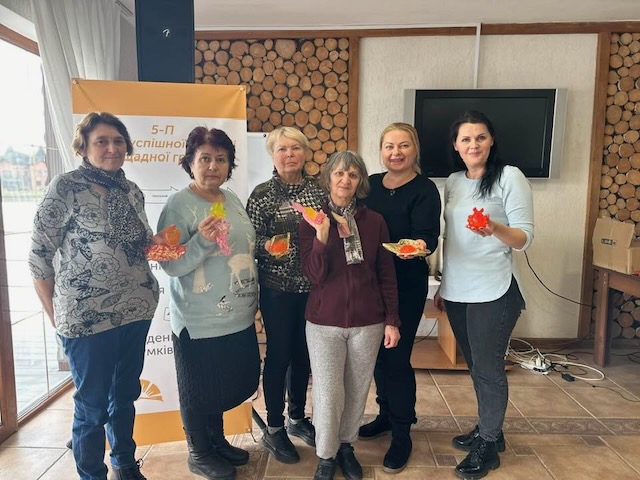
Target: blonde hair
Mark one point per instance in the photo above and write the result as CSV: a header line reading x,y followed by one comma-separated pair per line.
x,y
287,132
413,133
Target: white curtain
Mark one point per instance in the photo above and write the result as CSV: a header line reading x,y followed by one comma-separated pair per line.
x,y
77,39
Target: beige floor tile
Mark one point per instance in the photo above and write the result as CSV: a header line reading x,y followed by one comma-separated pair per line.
x,y
51,428
524,439
606,403
584,463
27,463
444,377
423,378
371,452
64,467
518,467
430,402
305,468
545,402
627,446
522,377
416,473
441,443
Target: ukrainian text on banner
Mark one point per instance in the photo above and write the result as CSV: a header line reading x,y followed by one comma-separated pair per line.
x,y
159,116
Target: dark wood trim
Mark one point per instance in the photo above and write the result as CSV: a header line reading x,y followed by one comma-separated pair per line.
x,y
487,29
18,40
263,34
354,93
595,168
8,404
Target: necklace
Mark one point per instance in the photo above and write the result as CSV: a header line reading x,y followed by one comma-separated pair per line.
x,y
392,192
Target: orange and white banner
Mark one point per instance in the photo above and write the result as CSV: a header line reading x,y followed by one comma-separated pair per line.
x,y
159,116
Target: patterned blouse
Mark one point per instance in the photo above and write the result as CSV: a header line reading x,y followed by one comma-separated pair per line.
x,y
96,287
271,212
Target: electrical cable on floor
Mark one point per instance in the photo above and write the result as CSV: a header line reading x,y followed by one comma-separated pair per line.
x,y
435,322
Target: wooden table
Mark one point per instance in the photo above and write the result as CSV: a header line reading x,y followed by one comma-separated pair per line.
x,y
609,280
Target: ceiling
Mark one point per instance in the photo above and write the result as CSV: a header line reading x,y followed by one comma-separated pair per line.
x,y
340,14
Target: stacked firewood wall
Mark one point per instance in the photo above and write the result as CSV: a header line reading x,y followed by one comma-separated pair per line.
x,y
302,83
620,180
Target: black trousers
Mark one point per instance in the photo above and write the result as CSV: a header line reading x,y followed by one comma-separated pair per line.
x,y
287,359
394,375
483,330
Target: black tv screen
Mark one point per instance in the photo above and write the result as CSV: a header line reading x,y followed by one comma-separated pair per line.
x,y
523,120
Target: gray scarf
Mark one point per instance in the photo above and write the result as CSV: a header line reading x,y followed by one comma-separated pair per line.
x,y
352,243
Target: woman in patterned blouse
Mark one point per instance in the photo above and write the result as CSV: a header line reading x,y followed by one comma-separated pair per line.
x,y
100,294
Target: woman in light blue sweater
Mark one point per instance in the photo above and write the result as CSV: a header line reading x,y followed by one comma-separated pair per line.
x,y
213,302
481,296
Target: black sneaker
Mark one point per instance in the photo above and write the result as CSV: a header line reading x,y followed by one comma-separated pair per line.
x,y
304,430
326,469
280,446
128,473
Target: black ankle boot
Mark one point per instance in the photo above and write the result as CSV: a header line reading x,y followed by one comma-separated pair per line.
x,y
128,473
465,442
234,455
204,461
398,454
379,426
326,469
348,463
482,458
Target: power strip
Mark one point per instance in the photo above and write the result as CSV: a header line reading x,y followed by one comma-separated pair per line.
x,y
537,364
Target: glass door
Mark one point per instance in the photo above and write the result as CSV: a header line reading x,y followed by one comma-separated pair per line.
x,y
29,350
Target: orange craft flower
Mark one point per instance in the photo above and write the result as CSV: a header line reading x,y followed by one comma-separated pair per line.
x,y
477,219
172,235
311,215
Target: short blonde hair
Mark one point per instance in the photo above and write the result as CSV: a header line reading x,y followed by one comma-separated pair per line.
x,y
287,132
346,159
413,133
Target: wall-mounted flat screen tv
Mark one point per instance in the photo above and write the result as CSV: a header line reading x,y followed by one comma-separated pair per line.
x,y
529,126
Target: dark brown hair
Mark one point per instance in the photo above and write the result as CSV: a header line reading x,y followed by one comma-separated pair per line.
x,y
89,123
214,137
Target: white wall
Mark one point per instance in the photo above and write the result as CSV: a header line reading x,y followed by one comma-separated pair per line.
x,y
389,65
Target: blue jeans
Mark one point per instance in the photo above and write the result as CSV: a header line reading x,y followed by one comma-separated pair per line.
x,y
483,330
105,368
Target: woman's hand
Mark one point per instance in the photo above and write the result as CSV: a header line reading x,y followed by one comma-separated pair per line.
x,y
438,301
409,256
208,228
160,238
511,237
322,229
485,231
391,336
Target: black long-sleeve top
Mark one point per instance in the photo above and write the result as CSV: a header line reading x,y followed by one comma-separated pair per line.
x,y
410,211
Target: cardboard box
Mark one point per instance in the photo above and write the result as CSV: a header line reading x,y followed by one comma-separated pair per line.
x,y
614,246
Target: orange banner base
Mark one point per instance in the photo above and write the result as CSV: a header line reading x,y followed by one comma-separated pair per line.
x,y
151,428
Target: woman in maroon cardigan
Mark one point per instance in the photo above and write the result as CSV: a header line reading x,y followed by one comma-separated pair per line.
x,y
352,307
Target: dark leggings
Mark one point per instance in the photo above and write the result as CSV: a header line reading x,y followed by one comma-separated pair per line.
x,y
483,330
287,357
394,375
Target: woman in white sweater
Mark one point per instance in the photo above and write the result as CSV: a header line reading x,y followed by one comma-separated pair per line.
x,y
478,290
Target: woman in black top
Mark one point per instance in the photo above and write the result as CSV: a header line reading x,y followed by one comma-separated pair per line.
x,y
410,205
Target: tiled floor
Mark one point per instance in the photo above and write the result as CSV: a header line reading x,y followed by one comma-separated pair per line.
x,y
554,430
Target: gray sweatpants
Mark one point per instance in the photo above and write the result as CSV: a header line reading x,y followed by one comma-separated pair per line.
x,y
342,362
